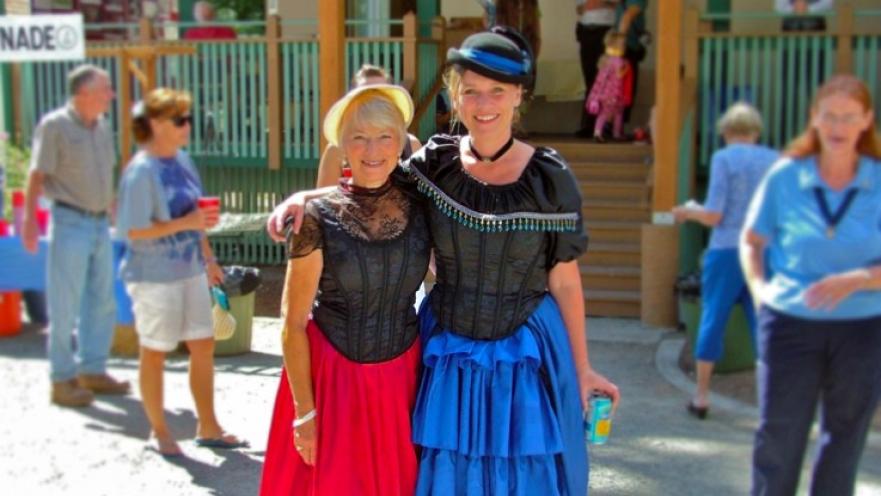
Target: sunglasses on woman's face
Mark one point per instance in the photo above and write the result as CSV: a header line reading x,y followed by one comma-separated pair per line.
x,y
182,120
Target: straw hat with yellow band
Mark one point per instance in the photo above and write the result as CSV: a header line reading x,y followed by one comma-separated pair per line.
x,y
397,95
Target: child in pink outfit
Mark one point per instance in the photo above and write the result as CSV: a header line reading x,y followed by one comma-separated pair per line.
x,y
612,90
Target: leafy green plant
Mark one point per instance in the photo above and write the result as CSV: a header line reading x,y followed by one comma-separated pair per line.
x,y
14,163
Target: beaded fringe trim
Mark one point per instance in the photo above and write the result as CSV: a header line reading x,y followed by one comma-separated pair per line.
x,y
472,219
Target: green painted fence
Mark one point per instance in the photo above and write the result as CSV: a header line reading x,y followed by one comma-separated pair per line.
x,y
300,92
428,62
251,190
227,81
777,74
867,64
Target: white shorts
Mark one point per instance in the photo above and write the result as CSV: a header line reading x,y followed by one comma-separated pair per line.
x,y
167,313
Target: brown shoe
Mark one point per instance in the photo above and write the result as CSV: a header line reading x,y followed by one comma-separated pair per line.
x,y
70,394
103,384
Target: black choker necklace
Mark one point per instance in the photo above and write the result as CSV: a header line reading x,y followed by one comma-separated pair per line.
x,y
488,160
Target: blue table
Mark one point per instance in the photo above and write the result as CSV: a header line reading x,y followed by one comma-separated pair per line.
x,y
20,270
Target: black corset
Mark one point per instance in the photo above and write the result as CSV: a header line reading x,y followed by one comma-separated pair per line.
x,y
495,245
375,248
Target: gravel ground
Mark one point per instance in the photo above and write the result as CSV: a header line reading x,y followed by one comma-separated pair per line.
x,y
655,448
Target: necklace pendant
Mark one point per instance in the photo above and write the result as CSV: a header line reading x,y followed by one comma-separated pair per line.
x,y
830,232
486,160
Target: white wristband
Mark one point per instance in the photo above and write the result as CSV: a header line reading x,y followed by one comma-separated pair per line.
x,y
305,418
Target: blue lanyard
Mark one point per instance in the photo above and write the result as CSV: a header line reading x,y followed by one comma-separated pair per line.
x,y
833,218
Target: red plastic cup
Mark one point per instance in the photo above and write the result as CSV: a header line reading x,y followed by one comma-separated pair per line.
x,y
212,205
43,220
17,198
209,201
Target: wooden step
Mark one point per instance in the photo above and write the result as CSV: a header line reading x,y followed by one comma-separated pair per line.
x,y
605,303
606,210
603,172
610,277
612,254
613,231
576,150
615,190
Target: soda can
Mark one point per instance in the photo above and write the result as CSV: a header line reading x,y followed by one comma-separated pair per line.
x,y
598,419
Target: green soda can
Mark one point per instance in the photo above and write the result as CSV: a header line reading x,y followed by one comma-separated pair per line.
x,y
598,419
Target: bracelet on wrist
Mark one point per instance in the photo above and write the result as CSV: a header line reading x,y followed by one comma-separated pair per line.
x,y
210,260
304,419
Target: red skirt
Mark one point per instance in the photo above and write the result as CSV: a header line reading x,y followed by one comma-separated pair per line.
x,y
365,444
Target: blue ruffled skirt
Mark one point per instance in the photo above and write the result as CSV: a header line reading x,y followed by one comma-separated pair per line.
x,y
500,417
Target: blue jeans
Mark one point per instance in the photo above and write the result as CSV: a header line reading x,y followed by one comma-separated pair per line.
x,y
79,272
802,363
722,287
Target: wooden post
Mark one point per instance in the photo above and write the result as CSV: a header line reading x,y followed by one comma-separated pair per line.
x,y
125,110
439,34
274,82
689,86
667,105
17,115
147,36
411,72
844,57
660,240
331,54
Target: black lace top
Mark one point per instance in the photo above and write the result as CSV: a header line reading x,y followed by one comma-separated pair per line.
x,y
494,245
375,246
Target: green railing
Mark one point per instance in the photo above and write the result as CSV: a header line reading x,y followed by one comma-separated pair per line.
x,y
300,92
428,62
386,53
867,64
777,74
251,190
227,81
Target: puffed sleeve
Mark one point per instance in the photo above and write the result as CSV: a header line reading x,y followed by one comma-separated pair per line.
x,y
310,237
439,151
563,195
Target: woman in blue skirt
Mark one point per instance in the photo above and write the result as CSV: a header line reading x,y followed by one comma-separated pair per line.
x,y
506,373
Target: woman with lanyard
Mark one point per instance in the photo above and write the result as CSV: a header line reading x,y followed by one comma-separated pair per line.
x,y
817,214
506,372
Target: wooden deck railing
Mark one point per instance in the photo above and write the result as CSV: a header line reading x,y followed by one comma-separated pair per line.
x,y
255,99
775,71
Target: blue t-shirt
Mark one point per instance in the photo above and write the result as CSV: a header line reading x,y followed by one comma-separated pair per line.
x,y
786,213
735,173
159,190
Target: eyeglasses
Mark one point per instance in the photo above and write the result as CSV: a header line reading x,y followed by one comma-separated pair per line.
x,y
832,119
182,120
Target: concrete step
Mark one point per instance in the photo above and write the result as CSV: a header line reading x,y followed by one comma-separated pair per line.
x,y
614,231
610,277
632,191
605,303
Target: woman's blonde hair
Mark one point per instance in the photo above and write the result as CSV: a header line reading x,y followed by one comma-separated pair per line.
x,y
161,103
374,110
741,119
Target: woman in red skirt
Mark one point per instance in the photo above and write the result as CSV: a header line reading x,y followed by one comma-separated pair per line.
x,y
341,424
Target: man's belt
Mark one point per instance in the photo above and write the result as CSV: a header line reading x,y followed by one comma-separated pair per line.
x,y
87,213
